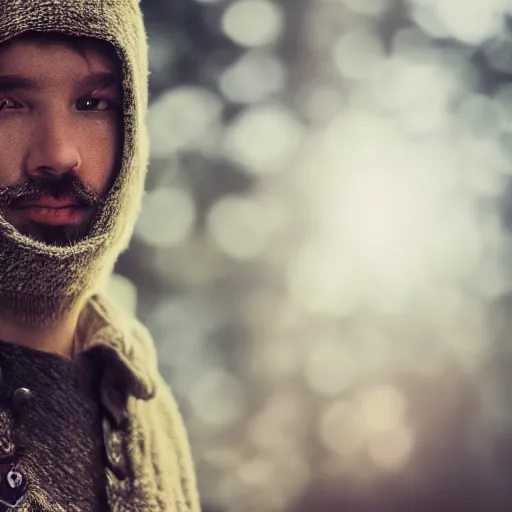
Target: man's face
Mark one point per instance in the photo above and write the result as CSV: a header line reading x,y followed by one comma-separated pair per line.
x,y
60,137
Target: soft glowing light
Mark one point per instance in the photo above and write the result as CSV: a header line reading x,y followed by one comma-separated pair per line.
x,y
252,78
405,84
322,282
393,212
412,44
123,292
482,18
278,360
358,54
379,410
239,226
253,22
364,241
167,217
256,472
221,457
180,118
279,426
380,198
331,368
374,424
337,430
264,139
320,102
217,399
180,327
390,450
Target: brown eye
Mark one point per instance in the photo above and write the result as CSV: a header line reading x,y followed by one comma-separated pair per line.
x,y
7,102
93,104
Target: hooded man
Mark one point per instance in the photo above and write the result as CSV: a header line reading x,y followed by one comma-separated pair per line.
x,y
86,421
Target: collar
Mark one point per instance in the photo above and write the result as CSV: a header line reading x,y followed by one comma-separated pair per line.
x,y
126,346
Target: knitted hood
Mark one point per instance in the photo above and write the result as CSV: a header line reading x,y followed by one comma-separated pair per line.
x,y
39,282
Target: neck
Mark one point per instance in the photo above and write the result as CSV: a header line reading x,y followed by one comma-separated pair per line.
x,y
56,339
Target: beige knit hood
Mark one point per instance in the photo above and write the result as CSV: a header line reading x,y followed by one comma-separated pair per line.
x,y
40,282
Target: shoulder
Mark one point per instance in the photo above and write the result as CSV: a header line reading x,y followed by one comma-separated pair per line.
x,y
157,417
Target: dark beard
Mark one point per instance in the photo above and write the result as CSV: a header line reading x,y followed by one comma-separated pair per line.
x,y
68,185
61,236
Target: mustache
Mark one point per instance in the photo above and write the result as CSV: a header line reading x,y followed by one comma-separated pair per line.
x,y
68,186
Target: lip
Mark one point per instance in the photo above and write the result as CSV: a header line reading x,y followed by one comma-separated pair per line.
x,y
49,202
54,216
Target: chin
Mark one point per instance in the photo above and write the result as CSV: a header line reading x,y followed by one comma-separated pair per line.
x,y
61,236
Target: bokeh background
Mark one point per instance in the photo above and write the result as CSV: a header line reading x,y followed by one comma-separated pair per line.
x,y
324,255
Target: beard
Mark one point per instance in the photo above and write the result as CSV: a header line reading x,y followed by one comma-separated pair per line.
x,y
67,186
61,236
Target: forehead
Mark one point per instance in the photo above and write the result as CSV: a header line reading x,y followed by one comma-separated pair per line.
x,y
53,53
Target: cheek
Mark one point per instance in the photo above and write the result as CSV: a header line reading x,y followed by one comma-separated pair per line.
x,y
12,151
100,155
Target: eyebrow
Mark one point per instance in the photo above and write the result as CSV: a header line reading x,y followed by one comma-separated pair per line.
x,y
100,80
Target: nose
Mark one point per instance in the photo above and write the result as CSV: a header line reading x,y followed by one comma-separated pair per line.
x,y
54,150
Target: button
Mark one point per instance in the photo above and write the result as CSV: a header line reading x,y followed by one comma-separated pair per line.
x,y
7,450
21,397
116,459
12,486
15,479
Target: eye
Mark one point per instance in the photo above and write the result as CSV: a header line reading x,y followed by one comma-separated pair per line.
x,y
6,103
90,103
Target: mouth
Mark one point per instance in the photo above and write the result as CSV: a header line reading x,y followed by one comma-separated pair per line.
x,y
55,212
48,202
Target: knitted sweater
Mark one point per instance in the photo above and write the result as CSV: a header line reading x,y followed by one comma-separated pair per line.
x,y
98,432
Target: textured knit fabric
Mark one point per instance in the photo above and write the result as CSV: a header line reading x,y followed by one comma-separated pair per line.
x,y
156,441
59,431
39,282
